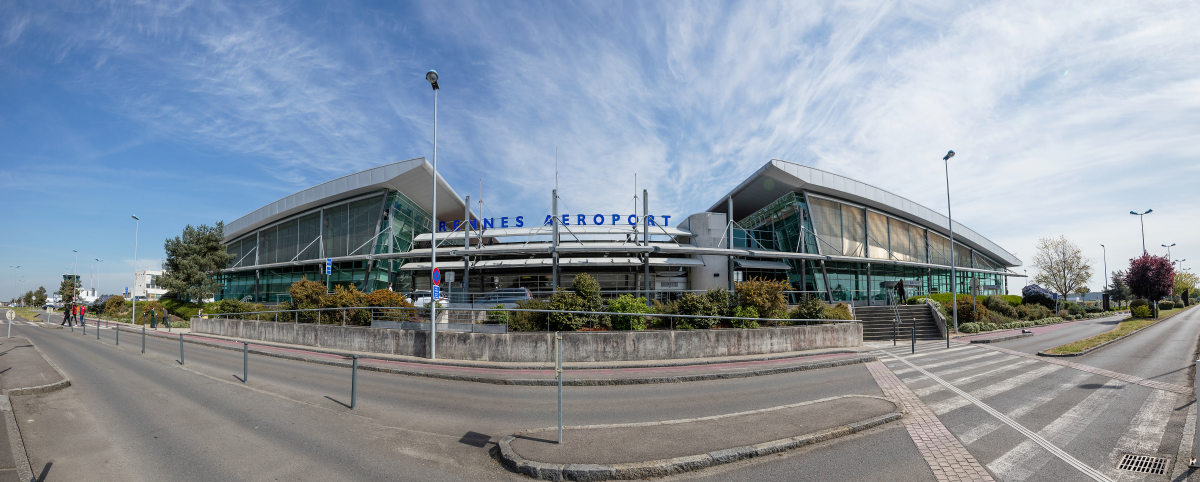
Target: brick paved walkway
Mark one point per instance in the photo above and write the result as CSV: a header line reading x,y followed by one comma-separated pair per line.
x,y
945,455
1169,387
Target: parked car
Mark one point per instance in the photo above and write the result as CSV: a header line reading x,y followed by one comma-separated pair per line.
x,y
420,298
506,295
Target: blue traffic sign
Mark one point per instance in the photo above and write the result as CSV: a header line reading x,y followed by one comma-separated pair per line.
x,y
328,266
437,276
437,292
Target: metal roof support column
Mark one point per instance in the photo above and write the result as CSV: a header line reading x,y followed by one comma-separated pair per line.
x,y
729,257
466,282
825,275
646,237
554,240
870,287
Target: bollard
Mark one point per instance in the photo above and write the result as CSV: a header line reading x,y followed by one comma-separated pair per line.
x,y
97,332
117,333
558,374
181,348
354,382
143,339
895,332
81,325
245,360
914,338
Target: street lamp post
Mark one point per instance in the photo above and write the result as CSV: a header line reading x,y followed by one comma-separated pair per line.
x,y
1105,267
953,273
1168,250
133,293
432,77
74,276
1143,219
98,260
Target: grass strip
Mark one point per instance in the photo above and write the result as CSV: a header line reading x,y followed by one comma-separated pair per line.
x,y
26,313
1126,327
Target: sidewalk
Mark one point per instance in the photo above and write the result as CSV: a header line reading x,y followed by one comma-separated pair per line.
x,y
575,374
23,371
655,449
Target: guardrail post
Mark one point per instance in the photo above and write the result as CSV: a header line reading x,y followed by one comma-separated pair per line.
x,y
558,374
245,360
353,381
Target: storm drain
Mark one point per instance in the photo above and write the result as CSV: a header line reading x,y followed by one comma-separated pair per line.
x,y
1144,464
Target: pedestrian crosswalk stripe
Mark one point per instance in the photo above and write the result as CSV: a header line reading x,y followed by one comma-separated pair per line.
x,y
994,389
1033,437
1145,432
976,377
982,430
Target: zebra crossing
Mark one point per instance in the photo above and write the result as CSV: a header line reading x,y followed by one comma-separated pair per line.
x,y
1027,419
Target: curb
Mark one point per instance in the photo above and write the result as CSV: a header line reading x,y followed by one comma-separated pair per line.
x,y
664,467
1109,342
47,388
15,441
1002,338
577,382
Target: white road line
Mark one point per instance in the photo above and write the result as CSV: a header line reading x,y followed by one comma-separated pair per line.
x,y
982,430
1034,437
930,352
954,403
974,378
1144,435
1024,460
1186,440
954,361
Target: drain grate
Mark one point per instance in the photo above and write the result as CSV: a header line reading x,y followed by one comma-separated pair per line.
x,y
1144,464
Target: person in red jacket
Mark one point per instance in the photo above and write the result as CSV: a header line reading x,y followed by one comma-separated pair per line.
x,y
82,314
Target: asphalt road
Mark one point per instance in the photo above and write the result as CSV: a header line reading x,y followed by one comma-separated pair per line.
x,y
156,420
200,422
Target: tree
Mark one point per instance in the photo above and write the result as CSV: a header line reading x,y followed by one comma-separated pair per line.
x,y
27,298
1118,291
1150,277
193,261
1185,281
1083,290
1061,265
68,289
39,296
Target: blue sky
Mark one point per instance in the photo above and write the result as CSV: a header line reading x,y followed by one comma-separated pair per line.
x,y
1065,115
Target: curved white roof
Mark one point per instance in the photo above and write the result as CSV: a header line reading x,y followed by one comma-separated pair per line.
x,y
756,192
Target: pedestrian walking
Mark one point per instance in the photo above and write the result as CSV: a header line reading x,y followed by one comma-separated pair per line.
x,y
82,314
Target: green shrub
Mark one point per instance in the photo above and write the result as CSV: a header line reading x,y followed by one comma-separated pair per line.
x,y
720,301
1138,302
697,305
497,317
567,301
626,303
665,322
841,311
1141,311
766,296
969,328
529,320
1166,305
1021,312
990,327
1000,306
809,308
745,312
1013,300
1076,309
114,306
182,309
971,310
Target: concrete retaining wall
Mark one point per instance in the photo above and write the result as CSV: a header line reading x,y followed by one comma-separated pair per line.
x,y
538,346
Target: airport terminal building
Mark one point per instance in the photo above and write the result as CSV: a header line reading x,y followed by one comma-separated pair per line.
x,y
826,234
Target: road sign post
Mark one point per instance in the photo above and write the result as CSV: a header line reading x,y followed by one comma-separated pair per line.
x,y
558,375
10,315
434,294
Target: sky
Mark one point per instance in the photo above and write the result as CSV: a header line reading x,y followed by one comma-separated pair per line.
x,y
1065,116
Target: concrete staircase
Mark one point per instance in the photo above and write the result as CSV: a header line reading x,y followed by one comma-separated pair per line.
x,y
877,322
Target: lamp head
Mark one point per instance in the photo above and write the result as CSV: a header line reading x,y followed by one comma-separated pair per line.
x,y
432,77
135,217
1148,211
948,156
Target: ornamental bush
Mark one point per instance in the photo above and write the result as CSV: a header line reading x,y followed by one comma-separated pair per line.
x,y
1022,312
1034,294
766,296
1166,305
969,328
497,317
626,303
529,320
1000,306
745,312
809,308
720,301
1138,302
971,310
1141,311
841,311
696,305
561,301
1076,309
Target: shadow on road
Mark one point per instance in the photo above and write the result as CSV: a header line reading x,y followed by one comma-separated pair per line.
x,y
45,471
475,439
339,402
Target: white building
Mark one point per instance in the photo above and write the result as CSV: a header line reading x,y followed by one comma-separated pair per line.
x,y
145,285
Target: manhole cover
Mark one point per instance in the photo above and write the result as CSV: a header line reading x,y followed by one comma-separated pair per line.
x,y
1144,464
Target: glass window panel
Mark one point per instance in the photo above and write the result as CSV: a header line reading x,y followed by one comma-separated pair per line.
x,y
854,236
360,226
828,225
939,249
267,239
287,242
877,228
308,230
899,240
917,235
962,256
335,230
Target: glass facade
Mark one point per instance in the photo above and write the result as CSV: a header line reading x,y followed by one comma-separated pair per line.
x,y
357,226
842,229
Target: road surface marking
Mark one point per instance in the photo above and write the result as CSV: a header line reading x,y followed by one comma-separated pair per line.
x,y
1145,433
1033,437
974,378
947,458
969,437
954,361
1170,387
992,390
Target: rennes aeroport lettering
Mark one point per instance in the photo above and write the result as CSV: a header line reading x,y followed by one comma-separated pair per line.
x,y
567,220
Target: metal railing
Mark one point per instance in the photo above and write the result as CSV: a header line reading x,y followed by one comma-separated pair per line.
x,y
493,316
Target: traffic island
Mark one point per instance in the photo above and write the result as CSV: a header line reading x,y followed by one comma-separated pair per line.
x,y
1129,327
656,449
